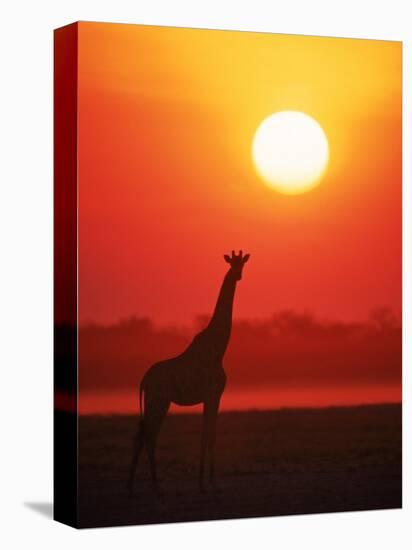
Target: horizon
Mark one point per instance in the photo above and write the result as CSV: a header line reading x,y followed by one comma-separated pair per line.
x,y
126,403
184,411
193,323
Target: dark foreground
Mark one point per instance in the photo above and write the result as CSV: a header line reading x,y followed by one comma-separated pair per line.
x,y
268,463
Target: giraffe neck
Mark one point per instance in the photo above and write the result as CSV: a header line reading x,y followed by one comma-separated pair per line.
x,y
221,320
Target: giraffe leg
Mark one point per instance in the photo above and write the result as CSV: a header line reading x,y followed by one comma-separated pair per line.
x,y
203,449
214,407
138,444
211,445
155,412
210,409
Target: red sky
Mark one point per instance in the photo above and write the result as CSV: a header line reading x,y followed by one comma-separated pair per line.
x,y
167,184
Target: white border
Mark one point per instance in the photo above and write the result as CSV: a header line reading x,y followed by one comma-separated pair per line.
x,y
26,268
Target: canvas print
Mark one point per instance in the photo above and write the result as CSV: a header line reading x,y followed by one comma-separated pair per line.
x,y
228,254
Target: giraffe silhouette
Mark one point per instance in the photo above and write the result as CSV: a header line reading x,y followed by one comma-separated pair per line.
x,y
196,376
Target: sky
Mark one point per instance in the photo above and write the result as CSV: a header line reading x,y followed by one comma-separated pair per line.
x,y
167,183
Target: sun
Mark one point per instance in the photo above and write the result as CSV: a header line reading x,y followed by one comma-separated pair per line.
x,y
290,151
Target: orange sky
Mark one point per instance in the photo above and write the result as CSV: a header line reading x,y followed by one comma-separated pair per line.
x,y
167,183
167,186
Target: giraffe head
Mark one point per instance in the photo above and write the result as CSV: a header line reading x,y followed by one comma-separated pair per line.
x,y
236,263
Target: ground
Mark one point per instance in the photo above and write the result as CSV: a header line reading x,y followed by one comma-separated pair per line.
x,y
268,463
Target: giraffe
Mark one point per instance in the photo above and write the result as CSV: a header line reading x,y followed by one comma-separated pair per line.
x,y
196,376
